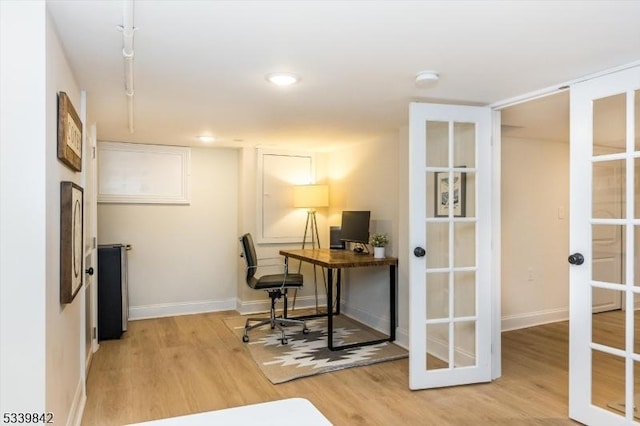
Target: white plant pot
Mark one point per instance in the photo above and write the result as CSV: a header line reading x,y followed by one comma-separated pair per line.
x,y
378,252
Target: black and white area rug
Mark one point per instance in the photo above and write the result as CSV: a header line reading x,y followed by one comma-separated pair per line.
x,y
307,354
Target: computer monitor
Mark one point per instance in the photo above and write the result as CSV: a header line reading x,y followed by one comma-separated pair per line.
x,y
355,229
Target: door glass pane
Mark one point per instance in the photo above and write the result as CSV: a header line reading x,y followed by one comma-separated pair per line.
x,y
609,186
607,253
636,189
609,124
465,343
608,328
464,144
464,288
607,381
636,331
636,260
437,144
450,190
437,295
604,299
430,199
637,119
636,387
437,245
464,246
437,346
469,180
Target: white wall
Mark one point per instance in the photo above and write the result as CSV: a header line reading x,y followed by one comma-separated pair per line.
x,y
23,256
183,256
64,337
535,240
363,176
249,299
366,177
41,339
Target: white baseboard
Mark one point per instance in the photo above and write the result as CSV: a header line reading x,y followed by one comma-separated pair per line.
x,y
77,406
531,319
256,306
190,308
373,321
440,349
402,338
184,308
377,323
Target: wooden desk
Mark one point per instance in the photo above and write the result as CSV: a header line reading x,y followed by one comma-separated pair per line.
x,y
338,260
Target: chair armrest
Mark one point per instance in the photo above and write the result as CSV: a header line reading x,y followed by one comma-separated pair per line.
x,y
274,262
281,262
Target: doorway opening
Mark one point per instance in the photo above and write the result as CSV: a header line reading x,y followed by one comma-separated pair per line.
x,y
535,212
535,233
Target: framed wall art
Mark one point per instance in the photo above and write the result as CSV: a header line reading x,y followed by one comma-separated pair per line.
x,y
69,133
71,245
450,194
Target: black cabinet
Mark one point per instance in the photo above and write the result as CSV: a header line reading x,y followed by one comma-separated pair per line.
x,y
113,303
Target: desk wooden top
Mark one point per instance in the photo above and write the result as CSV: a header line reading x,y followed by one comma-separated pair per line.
x,y
328,258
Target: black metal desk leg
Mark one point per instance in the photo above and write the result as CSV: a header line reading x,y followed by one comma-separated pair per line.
x,y
286,268
338,291
330,310
392,301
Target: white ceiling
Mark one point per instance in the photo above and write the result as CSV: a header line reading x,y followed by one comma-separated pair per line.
x,y
200,66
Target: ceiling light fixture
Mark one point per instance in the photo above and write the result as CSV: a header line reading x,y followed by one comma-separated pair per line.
x,y
424,78
206,138
283,78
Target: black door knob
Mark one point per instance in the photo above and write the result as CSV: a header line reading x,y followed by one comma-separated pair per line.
x,y
419,252
576,259
89,270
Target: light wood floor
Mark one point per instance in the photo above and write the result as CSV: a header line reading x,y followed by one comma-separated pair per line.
x,y
174,366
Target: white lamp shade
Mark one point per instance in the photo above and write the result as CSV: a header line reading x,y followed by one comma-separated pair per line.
x,y
311,196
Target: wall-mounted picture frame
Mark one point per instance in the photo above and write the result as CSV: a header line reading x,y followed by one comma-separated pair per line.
x,y
69,133
450,195
71,240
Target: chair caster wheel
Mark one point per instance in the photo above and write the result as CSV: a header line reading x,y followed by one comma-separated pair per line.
x,y
305,330
245,338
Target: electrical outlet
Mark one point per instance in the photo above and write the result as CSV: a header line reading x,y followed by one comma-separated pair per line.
x,y
530,274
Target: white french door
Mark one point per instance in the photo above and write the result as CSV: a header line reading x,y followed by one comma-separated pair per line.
x,y
604,368
450,243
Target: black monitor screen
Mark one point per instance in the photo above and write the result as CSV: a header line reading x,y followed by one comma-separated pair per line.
x,y
355,226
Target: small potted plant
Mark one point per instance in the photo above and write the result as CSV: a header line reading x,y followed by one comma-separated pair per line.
x,y
379,242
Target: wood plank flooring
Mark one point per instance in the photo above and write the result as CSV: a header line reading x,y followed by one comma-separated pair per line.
x,y
168,367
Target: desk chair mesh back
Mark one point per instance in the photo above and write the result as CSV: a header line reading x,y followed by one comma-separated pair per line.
x,y
274,284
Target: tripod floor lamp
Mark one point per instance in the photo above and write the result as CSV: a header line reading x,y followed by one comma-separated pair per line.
x,y
311,197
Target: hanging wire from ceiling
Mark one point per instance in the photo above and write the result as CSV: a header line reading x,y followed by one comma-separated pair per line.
x,y
127,53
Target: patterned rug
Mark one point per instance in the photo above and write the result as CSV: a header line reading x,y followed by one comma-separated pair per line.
x,y
307,354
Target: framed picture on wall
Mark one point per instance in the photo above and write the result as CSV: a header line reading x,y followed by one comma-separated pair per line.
x,y
71,245
450,194
69,133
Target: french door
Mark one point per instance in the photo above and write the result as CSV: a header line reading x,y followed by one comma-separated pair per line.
x,y
604,368
450,243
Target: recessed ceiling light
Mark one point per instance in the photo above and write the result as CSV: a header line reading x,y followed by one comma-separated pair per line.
x,y
283,78
206,138
424,78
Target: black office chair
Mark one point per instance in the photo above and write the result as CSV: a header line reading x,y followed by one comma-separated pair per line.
x,y
274,284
